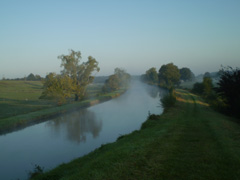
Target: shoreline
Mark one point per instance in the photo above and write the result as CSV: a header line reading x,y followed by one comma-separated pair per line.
x,y
25,120
181,143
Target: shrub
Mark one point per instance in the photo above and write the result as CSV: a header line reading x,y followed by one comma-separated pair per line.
x,y
168,100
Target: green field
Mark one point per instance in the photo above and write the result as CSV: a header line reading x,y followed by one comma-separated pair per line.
x,y
20,104
188,141
21,97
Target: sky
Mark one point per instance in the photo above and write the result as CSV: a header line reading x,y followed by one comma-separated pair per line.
x,y
131,34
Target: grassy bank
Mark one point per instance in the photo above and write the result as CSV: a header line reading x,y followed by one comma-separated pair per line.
x,y
189,141
20,105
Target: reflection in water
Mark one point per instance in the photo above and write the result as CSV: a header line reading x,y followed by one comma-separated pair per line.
x,y
155,91
77,125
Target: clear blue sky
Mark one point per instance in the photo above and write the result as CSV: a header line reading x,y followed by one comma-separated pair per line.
x,y
131,34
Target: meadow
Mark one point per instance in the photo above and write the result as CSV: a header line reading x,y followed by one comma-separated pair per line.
x,y
20,105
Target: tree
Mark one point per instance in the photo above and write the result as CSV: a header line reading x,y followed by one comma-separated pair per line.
x,y
38,77
31,77
57,87
168,75
84,77
74,76
186,74
152,75
229,87
116,81
204,88
207,74
207,87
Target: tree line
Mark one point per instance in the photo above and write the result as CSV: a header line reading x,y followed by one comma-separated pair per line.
x,y
30,77
225,96
76,76
168,75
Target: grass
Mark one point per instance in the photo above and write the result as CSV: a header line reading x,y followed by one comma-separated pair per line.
x,y
189,141
20,105
21,97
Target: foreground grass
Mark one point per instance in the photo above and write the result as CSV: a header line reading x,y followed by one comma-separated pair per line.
x,y
20,105
188,141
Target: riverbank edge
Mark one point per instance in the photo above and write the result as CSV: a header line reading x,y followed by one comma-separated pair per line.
x,y
143,151
22,121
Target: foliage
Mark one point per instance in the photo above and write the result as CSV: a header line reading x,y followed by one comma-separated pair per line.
x,y
73,80
57,87
186,74
168,100
151,76
207,87
228,89
168,75
207,74
32,77
119,79
198,88
204,88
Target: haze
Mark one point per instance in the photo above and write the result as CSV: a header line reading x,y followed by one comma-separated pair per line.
x,y
134,35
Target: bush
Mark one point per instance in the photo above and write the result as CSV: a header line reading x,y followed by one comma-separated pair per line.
x,y
228,89
168,100
198,88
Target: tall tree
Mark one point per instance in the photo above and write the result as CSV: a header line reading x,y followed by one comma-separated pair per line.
x,y
168,75
74,76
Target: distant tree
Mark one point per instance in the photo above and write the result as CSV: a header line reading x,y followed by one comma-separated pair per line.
x,y
204,88
116,81
74,76
228,89
168,75
31,77
186,74
152,75
207,87
38,77
206,74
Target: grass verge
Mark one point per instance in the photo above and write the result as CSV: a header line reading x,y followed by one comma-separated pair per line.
x,y
189,141
20,106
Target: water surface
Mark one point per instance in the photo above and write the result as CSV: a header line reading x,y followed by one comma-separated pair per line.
x,y
73,135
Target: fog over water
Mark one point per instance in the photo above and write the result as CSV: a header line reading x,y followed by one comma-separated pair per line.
x,y
75,134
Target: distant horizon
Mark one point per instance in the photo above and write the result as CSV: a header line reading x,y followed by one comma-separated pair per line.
x,y
134,35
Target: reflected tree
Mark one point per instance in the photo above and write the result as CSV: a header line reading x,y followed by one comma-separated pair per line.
x,y
77,125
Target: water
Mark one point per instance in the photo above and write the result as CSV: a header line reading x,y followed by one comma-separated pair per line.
x,y
73,135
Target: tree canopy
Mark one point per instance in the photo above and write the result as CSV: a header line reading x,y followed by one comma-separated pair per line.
x,y
152,75
229,87
169,75
73,79
186,74
116,81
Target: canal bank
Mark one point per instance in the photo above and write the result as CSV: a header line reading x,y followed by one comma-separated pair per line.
x,y
72,135
18,122
189,141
